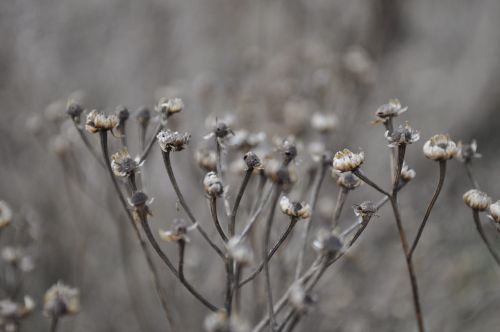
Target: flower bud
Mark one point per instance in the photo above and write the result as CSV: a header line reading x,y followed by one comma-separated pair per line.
x,y
252,160
494,212
122,164
213,185
61,300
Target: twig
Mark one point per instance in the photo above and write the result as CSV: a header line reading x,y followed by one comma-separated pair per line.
x,y
442,175
180,268
241,191
480,230
341,199
264,199
54,323
152,140
363,177
473,181
215,218
87,144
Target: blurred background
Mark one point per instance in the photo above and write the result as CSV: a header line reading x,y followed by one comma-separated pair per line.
x,y
271,65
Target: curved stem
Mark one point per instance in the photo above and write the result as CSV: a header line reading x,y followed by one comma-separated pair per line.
x,y
399,166
182,248
267,237
369,182
213,211
254,273
168,263
87,144
341,198
442,175
473,181
146,152
246,179
182,201
54,323
480,230
264,199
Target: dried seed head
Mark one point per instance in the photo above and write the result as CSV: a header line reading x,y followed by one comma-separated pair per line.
x,y
328,243
213,185
122,113
221,130
347,161
252,160
477,200
347,180
177,233
17,256
206,159
143,116
365,210
172,140
294,209
139,199
98,121
289,151
391,109
11,312
5,215
122,164
494,212
467,151
61,300
407,173
74,110
299,299
169,107
239,252
277,172
403,135
324,122
440,147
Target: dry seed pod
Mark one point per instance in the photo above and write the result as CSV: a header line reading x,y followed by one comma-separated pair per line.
x,y
98,121
467,151
172,140
477,200
213,185
407,173
293,209
122,164
403,135
347,180
391,109
440,147
494,212
348,161
61,300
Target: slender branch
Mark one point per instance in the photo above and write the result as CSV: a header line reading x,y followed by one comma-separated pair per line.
x,y
442,175
468,169
315,193
168,263
54,323
399,166
182,248
254,273
87,144
241,191
341,199
267,237
105,153
480,230
372,184
213,211
152,140
182,201
264,199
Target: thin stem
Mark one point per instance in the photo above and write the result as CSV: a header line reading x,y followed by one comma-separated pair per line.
x,y
213,211
168,263
480,230
341,199
260,207
315,193
149,260
180,268
267,237
182,201
152,140
372,184
409,264
399,167
87,144
468,169
236,289
241,191
54,323
291,225
442,175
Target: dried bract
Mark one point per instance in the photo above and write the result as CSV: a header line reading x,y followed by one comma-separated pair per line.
x,y
440,147
295,209
348,161
365,210
172,140
347,180
98,121
407,173
477,200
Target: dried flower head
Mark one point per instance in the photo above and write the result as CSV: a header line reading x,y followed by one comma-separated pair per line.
x,y
178,232
17,257
328,243
347,180
252,160
289,150
278,173
241,253
206,159
5,215
347,161
122,113
122,164
477,200
494,212
365,210
143,116
387,111
98,121
324,122
403,135
467,151
74,110
61,300
12,312
295,209
407,173
243,140
168,107
213,185
221,130
172,140
299,299
440,147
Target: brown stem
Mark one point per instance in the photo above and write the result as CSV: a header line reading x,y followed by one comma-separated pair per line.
x,y
372,184
182,201
442,175
341,198
480,230
241,191
54,323
182,248
213,211
473,181
152,140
